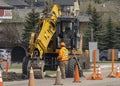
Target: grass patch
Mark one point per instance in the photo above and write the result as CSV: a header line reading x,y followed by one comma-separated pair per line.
x,y
15,67
50,72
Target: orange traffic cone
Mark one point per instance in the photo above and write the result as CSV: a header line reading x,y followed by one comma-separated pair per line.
x,y
58,77
99,75
1,81
31,78
7,66
118,72
76,75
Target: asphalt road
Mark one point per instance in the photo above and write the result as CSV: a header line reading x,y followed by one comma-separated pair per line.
x,y
67,82
49,81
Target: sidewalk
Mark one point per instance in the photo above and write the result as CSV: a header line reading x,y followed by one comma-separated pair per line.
x,y
105,65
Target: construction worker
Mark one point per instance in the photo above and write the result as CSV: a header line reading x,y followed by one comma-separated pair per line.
x,y
63,59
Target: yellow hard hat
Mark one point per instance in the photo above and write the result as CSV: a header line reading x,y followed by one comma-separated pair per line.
x,y
62,44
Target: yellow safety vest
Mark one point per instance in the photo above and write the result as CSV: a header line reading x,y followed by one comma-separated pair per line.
x,y
63,54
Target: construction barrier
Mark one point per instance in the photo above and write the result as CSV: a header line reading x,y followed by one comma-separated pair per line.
x,y
58,77
118,71
99,74
94,74
7,66
76,75
112,73
1,80
31,78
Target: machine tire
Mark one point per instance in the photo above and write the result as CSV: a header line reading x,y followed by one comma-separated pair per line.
x,y
70,68
24,67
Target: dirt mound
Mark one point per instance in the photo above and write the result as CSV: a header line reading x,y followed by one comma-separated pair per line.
x,y
12,76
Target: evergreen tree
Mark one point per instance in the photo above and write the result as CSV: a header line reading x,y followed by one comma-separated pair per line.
x,y
110,40
89,10
95,23
31,25
102,44
86,39
117,38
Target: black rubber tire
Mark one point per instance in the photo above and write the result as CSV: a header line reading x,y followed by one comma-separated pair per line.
x,y
104,58
24,67
70,68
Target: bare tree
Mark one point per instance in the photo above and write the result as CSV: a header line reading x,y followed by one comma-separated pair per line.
x,y
10,34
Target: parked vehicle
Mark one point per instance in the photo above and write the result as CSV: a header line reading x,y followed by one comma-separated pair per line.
x,y
118,55
104,55
3,57
4,54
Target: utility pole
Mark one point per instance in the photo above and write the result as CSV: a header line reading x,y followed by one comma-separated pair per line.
x,y
32,6
32,3
92,35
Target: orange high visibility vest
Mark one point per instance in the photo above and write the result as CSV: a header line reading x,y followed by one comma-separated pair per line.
x,y
1,60
63,54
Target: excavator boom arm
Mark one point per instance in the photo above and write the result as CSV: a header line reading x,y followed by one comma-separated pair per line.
x,y
47,30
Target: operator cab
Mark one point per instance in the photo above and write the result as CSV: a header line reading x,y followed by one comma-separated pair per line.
x,y
68,31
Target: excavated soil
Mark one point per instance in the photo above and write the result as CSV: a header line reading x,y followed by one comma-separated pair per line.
x,y
12,76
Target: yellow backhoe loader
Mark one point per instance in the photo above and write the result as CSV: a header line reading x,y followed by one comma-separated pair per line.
x,y
44,45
